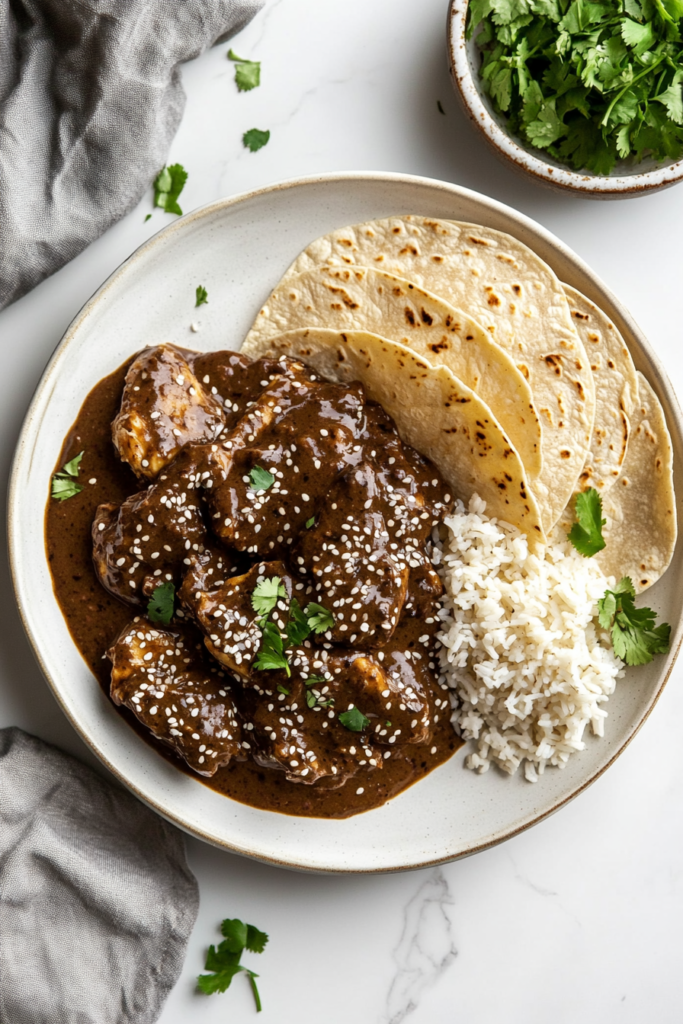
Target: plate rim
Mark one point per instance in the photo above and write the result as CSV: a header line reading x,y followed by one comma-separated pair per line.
x,y
47,383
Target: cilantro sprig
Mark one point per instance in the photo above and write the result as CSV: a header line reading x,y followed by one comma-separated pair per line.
x,y
247,72
64,481
586,533
224,960
201,295
315,618
635,638
161,604
168,184
590,83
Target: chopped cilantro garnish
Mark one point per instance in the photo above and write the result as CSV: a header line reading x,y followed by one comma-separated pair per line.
x,y
314,679
201,295
319,619
271,653
315,700
247,72
161,603
588,82
224,960
282,689
586,533
266,594
297,627
354,720
634,637
261,479
255,139
64,481
169,183
310,522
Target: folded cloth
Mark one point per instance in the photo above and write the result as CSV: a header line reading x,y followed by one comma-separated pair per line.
x,y
96,899
90,98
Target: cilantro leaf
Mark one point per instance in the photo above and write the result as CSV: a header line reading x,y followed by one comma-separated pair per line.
x,y
261,479
201,295
255,139
247,72
282,689
266,594
161,603
310,522
271,654
635,638
319,619
224,960
169,183
297,628
64,481
354,720
586,533
639,37
314,679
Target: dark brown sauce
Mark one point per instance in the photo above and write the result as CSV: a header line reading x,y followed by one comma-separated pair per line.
x,y
95,618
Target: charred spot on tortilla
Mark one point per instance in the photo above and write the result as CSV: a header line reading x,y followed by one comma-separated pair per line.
x,y
517,288
426,317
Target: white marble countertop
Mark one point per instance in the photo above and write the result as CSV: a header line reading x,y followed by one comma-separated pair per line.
x,y
578,919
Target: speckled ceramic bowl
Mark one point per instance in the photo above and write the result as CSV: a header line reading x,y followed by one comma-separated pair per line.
x,y
624,183
239,248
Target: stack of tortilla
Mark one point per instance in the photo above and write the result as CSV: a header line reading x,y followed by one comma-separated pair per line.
x,y
516,386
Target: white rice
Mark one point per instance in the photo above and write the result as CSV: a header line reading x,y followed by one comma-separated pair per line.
x,y
522,648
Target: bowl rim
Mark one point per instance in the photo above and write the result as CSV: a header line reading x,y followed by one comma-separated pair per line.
x,y
48,382
526,160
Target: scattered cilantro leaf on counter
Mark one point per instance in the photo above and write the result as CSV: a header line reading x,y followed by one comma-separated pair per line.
x,y
310,522
634,637
169,183
354,720
224,960
247,72
64,481
255,139
266,594
319,619
297,627
271,653
161,603
148,217
586,533
439,107
201,295
589,83
261,479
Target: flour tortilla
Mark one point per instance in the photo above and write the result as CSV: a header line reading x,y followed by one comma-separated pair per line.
x,y
640,509
356,298
616,391
515,296
434,412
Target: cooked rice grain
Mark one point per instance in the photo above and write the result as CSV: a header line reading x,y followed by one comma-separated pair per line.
x,y
522,647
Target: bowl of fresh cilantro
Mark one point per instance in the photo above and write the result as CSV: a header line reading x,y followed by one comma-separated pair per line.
x,y
584,96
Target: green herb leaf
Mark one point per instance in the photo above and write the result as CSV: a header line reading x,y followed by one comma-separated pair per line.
x,y
297,627
63,482
310,522
148,217
224,960
635,638
255,139
271,654
354,720
161,603
266,594
319,619
282,689
586,533
169,183
247,72
261,479
201,295
314,679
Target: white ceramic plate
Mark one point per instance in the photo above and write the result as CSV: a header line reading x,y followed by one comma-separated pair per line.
x,y
238,248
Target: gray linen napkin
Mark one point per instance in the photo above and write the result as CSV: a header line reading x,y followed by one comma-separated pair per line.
x,y
96,899
90,98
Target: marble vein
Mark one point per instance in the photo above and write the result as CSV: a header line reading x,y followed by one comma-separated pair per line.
x,y
426,948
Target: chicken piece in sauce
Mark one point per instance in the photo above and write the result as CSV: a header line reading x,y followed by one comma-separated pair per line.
x,y
190,708
163,408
